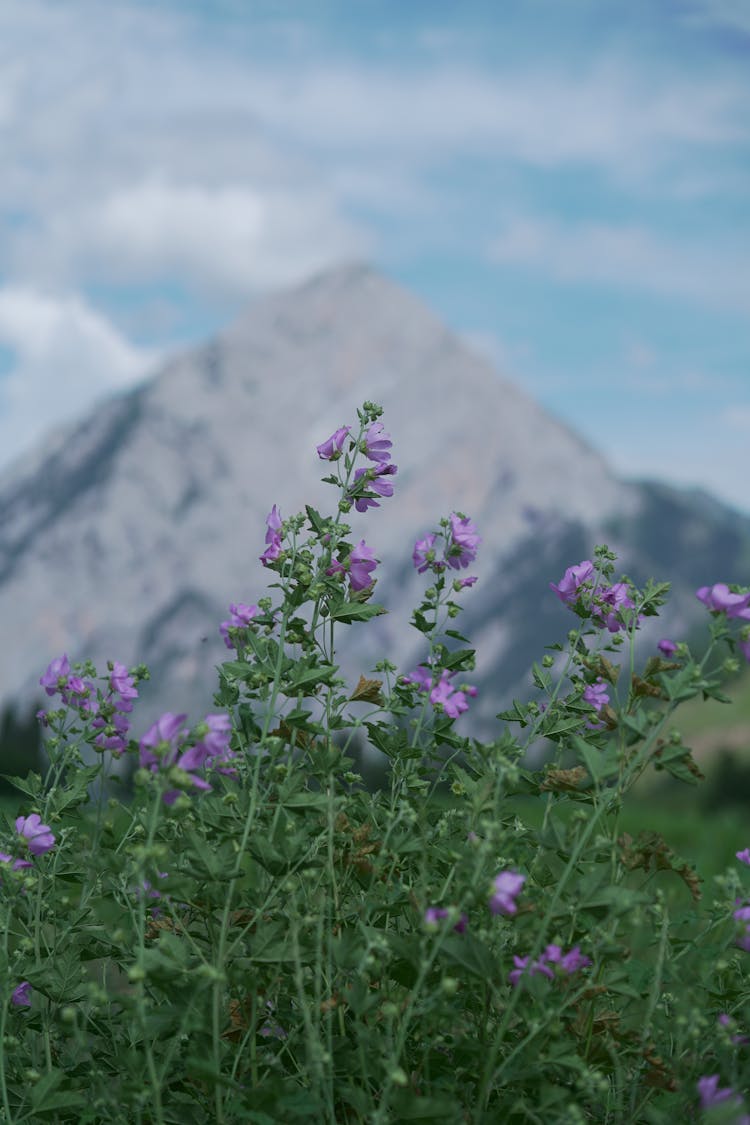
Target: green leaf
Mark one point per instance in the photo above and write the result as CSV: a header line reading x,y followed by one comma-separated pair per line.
x,y
346,612
305,676
601,764
317,522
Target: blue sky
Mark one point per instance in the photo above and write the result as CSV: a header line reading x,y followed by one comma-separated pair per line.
x,y
567,184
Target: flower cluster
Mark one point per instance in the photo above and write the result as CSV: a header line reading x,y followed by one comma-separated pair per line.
x,y
109,709
551,959
460,545
161,749
240,616
360,565
273,537
442,692
605,603
373,481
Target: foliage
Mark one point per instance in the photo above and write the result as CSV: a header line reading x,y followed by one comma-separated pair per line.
x,y
256,937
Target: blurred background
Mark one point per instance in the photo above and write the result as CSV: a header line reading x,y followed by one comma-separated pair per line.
x,y
566,186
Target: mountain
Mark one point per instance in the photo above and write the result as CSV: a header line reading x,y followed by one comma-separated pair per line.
x,y
127,535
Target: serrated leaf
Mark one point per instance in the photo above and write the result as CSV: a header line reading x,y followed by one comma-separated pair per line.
x,y
346,612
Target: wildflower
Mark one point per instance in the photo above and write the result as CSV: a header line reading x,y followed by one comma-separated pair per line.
x,y
362,562
571,962
423,554
240,616
460,583
433,915
273,537
39,838
18,864
464,542
56,676
596,694
720,599
452,700
711,1095
570,583
164,736
122,685
21,995
666,647
212,751
744,856
608,601
725,1020
330,450
508,886
373,482
376,444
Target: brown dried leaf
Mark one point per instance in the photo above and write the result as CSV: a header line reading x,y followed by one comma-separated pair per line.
x,y
367,691
564,781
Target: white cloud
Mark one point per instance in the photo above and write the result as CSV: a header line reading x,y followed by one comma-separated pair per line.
x,y
630,256
66,355
229,240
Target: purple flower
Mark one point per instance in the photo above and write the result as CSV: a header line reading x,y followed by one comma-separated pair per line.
x,y
452,700
240,616
572,580
123,685
460,583
571,962
433,915
423,555
21,995
273,537
720,599
596,694
508,886
711,1095
39,838
667,648
330,450
608,601
372,479
362,562
56,676
18,864
464,542
574,960
376,444
165,735
744,856
212,751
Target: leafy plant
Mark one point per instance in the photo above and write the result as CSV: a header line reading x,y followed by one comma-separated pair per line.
x,y
256,937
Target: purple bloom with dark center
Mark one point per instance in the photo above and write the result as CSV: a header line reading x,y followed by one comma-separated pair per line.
x,y
240,616
55,677
720,599
374,482
376,444
571,582
273,537
666,647
433,915
362,562
330,450
508,886
39,837
423,555
596,694
21,995
464,542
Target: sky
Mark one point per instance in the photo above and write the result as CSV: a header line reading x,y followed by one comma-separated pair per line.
x,y
566,184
